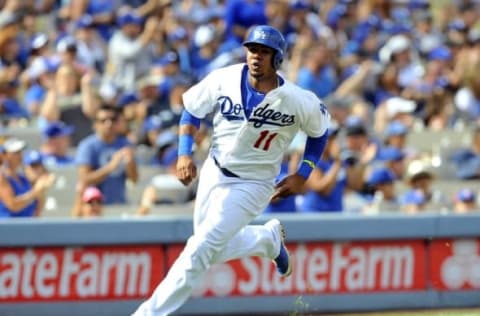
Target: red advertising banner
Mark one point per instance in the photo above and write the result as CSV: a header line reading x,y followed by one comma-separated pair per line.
x,y
322,268
455,264
58,274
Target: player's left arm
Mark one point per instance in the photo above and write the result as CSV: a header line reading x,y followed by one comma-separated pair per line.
x,y
293,184
315,122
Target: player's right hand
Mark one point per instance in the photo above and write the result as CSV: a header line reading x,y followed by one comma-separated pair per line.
x,y
186,169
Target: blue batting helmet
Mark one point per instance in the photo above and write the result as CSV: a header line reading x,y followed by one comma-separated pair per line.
x,y
270,37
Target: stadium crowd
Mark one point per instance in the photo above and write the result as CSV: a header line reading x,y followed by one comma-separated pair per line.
x,y
100,83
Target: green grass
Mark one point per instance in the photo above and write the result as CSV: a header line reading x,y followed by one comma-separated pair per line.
x,y
445,312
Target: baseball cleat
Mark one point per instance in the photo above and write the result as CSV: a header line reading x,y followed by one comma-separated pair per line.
x,y
283,261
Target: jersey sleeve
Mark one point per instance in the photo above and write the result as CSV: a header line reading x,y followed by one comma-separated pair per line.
x,y
316,118
199,100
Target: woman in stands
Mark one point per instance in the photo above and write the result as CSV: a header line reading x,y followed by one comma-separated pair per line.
x,y
88,203
18,197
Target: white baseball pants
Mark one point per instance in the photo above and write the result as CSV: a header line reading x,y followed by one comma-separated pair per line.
x,y
223,209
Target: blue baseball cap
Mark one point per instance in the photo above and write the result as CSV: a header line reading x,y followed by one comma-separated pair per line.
x,y
398,28
465,195
152,123
129,18
418,4
33,157
85,21
179,33
380,175
390,154
127,98
457,25
354,125
440,53
299,5
335,14
169,157
57,129
396,128
169,58
415,197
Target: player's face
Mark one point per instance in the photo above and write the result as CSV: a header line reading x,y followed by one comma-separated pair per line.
x,y
259,61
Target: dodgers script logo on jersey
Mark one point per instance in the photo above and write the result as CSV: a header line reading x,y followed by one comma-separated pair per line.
x,y
230,111
264,115
260,116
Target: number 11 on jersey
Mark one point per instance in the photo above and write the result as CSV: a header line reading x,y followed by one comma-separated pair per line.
x,y
264,140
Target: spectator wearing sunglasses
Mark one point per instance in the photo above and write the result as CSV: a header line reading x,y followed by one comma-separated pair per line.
x,y
106,159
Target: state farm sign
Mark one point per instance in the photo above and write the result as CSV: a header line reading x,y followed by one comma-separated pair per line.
x,y
39,274
455,264
322,268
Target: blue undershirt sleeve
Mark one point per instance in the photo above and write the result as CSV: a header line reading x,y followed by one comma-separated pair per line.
x,y
188,118
186,141
313,151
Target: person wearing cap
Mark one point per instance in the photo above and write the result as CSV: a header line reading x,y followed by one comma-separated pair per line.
x,y
413,202
421,176
102,13
467,158
382,197
107,160
56,145
88,203
237,179
90,49
67,48
465,201
357,140
399,50
129,54
33,165
206,44
467,98
152,127
41,76
392,158
395,134
19,197
394,108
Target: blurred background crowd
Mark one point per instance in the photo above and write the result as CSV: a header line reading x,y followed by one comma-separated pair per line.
x,y
90,97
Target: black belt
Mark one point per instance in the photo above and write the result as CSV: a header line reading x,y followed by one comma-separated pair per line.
x,y
225,171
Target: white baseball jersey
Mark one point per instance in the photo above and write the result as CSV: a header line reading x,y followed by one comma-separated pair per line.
x,y
253,148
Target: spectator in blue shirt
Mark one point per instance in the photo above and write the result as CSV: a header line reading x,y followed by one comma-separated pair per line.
x,y
18,197
333,175
42,76
467,160
317,74
105,159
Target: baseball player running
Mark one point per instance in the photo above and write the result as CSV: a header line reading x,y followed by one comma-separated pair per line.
x,y
257,113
